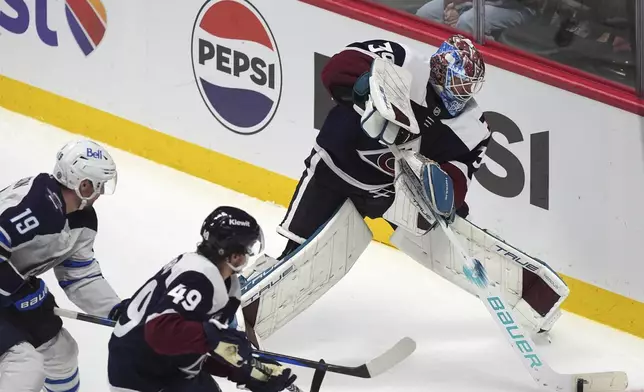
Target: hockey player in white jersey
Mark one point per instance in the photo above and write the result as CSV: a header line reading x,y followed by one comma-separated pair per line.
x,y
178,329
48,221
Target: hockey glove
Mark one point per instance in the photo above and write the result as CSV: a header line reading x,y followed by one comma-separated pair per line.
x,y
33,309
372,122
228,345
265,376
31,295
434,185
118,310
439,190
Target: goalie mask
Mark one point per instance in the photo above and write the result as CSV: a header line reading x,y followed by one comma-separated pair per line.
x,y
457,72
229,230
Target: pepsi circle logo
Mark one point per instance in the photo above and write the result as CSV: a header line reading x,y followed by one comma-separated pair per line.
x,y
236,65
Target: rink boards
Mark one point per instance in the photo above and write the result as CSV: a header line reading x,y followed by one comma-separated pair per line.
x,y
563,180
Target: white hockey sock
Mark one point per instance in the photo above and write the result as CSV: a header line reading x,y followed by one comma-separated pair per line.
x,y
61,383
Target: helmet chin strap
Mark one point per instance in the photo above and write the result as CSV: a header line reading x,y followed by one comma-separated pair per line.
x,y
237,269
84,200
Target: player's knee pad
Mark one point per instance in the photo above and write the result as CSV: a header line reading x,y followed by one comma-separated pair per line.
x,y
61,363
21,369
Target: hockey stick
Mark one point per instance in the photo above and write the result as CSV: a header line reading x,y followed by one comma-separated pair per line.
x,y
84,317
372,368
490,294
111,323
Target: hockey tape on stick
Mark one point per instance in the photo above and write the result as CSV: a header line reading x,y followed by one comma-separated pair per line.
x,y
84,317
490,294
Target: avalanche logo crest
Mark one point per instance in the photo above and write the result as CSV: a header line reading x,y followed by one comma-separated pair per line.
x,y
236,65
88,22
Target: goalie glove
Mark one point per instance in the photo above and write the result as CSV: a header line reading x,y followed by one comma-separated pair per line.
x,y
371,121
431,181
376,126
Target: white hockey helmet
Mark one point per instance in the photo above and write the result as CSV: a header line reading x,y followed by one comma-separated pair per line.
x,y
84,159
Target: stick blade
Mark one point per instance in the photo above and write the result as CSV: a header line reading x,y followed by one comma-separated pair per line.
x,y
601,382
390,358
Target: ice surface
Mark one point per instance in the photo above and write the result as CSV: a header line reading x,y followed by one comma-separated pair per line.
x,y
156,214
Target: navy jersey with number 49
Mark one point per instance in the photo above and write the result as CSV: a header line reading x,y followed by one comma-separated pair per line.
x,y
160,337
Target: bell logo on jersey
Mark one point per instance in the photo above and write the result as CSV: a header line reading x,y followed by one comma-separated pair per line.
x,y
236,65
87,20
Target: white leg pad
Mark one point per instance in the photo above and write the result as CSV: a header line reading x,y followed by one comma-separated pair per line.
x,y
505,266
287,287
21,369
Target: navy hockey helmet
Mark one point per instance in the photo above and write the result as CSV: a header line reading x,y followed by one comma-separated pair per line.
x,y
229,230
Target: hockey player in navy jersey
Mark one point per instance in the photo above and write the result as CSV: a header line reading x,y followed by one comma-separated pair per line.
x,y
350,158
48,221
178,329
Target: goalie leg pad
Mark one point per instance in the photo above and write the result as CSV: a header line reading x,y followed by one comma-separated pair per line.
x,y
287,287
533,290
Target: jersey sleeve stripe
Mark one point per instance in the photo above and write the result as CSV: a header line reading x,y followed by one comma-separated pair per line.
x,y
66,283
77,263
4,254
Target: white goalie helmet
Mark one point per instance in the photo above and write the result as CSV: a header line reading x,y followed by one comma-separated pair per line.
x,y
83,160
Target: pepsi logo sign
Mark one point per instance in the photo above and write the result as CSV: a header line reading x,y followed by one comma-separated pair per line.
x,y
236,65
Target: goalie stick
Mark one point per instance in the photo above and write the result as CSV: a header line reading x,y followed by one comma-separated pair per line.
x,y
490,294
369,369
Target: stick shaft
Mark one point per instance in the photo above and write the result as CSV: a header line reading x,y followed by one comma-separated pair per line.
x,y
302,362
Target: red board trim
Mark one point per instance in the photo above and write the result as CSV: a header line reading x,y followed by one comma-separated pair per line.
x,y
510,59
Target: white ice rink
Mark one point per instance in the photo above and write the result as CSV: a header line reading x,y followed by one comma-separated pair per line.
x,y
156,214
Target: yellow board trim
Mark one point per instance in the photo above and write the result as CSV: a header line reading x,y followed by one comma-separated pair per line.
x,y
585,299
